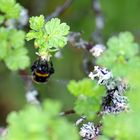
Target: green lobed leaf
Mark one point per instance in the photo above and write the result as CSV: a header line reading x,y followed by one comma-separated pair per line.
x,y
10,8
120,51
40,42
88,106
85,87
123,45
56,32
48,106
12,49
49,37
89,97
17,59
124,126
17,38
33,34
40,123
37,23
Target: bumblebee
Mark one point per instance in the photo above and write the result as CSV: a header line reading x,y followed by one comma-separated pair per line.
x,y
42,70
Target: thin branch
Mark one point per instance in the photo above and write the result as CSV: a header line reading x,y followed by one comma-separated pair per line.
x,y
67,112
31,92
99,18
60,9
95,50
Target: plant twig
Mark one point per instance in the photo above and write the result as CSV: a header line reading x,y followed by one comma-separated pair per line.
x,y
95,50
31,92
99,19
67,112
60,9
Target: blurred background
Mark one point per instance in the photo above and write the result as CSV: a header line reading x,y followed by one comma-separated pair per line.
x,y
118,15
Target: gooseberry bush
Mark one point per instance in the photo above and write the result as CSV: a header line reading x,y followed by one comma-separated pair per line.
x,y
106,100
13,50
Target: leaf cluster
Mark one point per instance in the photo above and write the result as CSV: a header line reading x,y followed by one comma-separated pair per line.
x,y
121,54
40,123
50,36
12,50
10,9
125,125
89,97
131,119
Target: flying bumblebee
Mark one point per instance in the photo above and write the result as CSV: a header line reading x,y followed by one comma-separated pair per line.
x,y
42,70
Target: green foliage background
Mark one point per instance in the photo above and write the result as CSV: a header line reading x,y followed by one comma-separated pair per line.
x,y
119,16
42,123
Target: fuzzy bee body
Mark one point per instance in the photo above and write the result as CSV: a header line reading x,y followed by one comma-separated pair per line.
x,y
42,70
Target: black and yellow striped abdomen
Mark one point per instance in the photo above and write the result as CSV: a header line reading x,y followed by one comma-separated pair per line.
x,y
41,70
